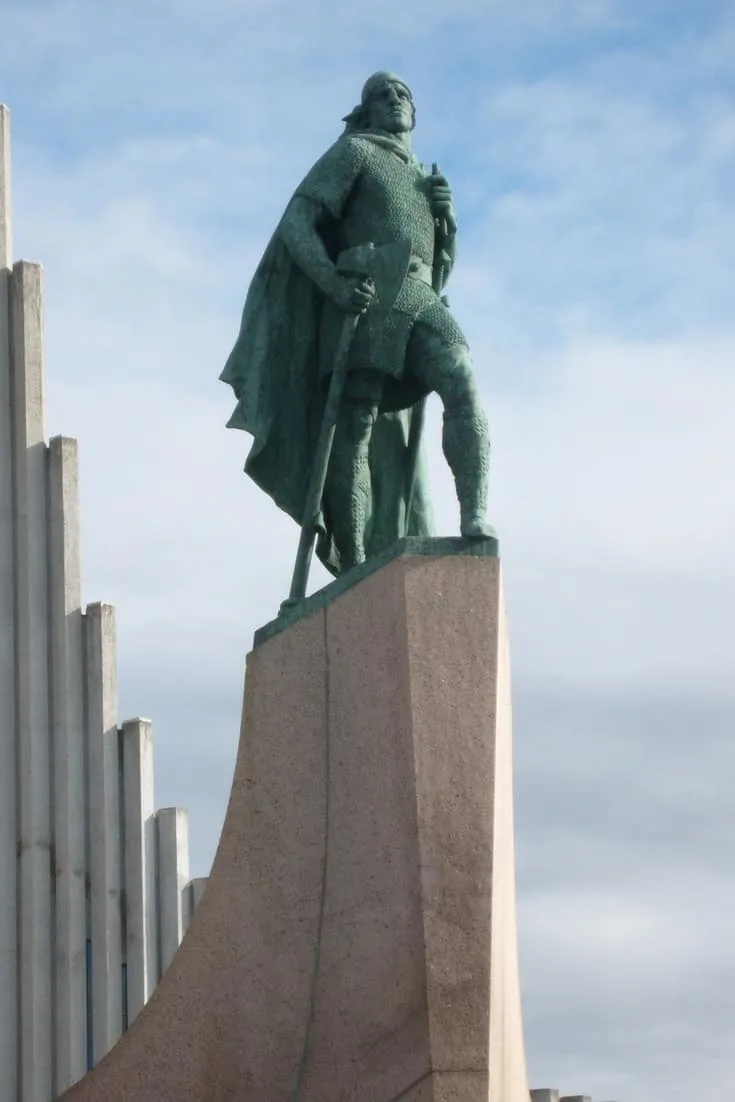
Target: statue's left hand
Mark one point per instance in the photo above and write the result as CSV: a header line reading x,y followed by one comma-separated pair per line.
x,y
442,204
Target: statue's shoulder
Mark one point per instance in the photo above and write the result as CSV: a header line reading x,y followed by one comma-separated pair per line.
x,y
331,179
355,140
351,148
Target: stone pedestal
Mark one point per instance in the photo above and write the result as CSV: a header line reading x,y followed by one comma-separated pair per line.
x,y
357,939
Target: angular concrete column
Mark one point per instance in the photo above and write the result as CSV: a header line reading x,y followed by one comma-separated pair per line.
x,y
8,748
70,800
6,244
105,856
33,721
141,933
356,940
194,892
173,879
62,823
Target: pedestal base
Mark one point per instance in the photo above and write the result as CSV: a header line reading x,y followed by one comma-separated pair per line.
x,y
357,939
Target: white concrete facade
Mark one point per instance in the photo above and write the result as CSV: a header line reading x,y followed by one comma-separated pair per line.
x,y
141,928
30,470
105,856
80,924
196,891
69,788
173,879
8,828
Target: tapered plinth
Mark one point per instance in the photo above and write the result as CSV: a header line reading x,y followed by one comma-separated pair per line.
x,y
357,940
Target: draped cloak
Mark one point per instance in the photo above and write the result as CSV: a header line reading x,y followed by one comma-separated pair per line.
x,y
274,370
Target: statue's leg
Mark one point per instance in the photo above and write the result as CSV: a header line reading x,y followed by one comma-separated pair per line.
x,y
446,369
348,487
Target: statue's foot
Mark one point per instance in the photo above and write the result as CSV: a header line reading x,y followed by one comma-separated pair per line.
x,y
477,528
353,559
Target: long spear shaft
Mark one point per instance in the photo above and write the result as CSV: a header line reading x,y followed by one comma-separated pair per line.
x,y
418,415
323,452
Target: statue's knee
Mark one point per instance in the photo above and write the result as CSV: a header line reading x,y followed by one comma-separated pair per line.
x,y
459,389
363,417
355,424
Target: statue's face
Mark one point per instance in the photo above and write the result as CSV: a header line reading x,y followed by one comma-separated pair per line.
x,y
390,108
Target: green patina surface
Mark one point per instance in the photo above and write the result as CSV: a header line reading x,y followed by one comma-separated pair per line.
x,y
367,190
408,546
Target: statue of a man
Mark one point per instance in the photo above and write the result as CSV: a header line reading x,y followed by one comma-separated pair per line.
x,y
368,187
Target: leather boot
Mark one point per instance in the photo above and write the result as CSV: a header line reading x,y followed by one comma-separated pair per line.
x,y
466,445
348,489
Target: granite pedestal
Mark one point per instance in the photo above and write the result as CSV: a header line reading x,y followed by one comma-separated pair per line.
x,y
357,938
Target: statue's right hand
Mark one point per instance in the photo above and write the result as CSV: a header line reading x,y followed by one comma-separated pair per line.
x,y
353,294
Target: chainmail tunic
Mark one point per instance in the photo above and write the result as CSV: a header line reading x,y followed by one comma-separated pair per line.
x,y
373,190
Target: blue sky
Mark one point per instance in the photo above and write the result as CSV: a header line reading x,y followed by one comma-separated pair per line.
x,y
591,147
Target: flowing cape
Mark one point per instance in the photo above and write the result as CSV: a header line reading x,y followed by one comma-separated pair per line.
x,y
274,372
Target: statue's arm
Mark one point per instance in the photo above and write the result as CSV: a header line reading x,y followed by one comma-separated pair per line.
x,y
299,231
445,243
300,234
320,198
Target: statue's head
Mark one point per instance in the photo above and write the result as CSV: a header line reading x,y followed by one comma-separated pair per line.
x,y
386,104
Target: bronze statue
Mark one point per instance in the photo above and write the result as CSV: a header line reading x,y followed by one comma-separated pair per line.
x,y
345,332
